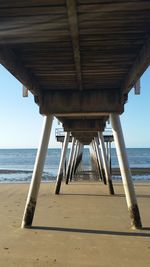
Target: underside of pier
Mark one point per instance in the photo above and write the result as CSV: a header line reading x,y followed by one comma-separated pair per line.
x,y
79,58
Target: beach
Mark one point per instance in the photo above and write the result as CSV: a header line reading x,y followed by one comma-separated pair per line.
x,y
83,226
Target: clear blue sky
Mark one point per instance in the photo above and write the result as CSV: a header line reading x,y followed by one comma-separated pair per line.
x,y
20,121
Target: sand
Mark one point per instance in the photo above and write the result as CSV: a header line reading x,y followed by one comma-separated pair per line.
x,y
83,226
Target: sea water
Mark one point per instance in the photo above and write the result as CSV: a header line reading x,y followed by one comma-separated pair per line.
x,y
16,165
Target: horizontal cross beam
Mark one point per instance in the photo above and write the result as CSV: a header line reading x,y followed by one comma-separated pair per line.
x,y
76,102
87,125
84,137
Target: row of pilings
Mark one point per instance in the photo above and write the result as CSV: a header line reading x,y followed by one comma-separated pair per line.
x,y
100,160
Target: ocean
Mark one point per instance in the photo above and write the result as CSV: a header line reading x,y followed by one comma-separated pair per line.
x,y
16,165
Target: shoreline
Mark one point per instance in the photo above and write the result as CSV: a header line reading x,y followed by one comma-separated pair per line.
x,y
7,171
79,181
115,170
134,171
139,175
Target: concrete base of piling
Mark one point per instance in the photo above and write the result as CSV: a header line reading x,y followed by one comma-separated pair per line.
x,y
58,184
111,188
84,226
27,222
135,217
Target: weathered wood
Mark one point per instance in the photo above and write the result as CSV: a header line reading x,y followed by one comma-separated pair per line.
x,y
70,161
42,39
94,161
28,3
59,47
24,91
73,160
125,172
84,137
61,164
76,157
73,25
75,101
79,158
97,158
37,174
84,125
102,172
113,7
105,163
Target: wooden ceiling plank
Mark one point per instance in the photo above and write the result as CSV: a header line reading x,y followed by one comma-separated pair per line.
x,y
114,7
73,25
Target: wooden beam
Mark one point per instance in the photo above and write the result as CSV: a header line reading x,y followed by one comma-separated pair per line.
x,y
73,25
81,102
139,66
79,115
84,125
10,61
114,6
24,91
83,135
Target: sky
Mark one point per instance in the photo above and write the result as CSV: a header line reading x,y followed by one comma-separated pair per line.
x,y
21,123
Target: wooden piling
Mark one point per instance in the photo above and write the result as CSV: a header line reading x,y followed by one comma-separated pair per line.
x,y
97,158
109,159
102,172
78,158
37,173
73,160
61,164
125,172
94,160
91,156
105,162
70,160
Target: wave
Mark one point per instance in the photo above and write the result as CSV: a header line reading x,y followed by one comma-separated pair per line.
x,y
22,176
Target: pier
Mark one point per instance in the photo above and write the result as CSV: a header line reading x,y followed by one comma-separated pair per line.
x,y
80,60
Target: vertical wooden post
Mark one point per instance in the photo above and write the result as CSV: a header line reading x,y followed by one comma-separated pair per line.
x,y
105,162
94,158
91,156
81,167
78,157
125,172
75,156
102,172
107,152
73,160
97,157
110,158
70,160
61,164
37,173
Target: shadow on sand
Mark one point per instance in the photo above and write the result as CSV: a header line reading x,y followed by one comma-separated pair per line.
x,y
102,195
140,233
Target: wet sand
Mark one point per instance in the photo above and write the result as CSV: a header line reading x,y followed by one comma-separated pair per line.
x,y
83,226
134,171
115,171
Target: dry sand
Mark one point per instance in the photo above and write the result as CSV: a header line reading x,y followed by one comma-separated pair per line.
x,y
83,226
